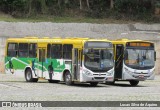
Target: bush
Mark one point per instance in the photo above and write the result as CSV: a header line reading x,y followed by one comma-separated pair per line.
x,y
157,5
133,6
12,6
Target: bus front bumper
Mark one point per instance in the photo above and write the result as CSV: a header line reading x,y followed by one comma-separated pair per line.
x,y
140,77
101,78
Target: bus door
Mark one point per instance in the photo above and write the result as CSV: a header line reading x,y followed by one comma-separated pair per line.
x,y
76,61
41,60
119,61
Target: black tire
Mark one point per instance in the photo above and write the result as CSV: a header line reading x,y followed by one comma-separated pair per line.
x,y
93,84
28,76
134,82
53,81
110,83
68,78
35,80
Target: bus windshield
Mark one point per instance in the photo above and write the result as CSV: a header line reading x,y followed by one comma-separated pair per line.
x,y
99,60
139,58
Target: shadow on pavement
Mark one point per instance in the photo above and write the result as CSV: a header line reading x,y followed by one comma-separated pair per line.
x,y
83,85
125,85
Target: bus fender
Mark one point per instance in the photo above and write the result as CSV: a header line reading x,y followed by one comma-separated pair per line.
x,y
64,71
33,73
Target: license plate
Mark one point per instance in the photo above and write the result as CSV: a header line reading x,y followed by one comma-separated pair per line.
x,y
141,76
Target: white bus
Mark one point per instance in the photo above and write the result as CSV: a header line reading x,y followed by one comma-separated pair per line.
x,y
60,59
134,60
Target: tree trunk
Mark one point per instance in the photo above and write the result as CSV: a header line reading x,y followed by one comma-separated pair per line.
x,y
80,2
29,7
43,6
111,4
88,4
59,4
153,5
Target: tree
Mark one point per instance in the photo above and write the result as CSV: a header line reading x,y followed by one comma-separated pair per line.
x,y
83,4
29,3
36,6
111,4
88,4
80,2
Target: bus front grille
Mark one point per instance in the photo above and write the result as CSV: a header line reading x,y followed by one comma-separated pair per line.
x,y
99,77
140,73
99,74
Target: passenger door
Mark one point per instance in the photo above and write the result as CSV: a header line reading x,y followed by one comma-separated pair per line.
x,y
119,61
41,61
76,61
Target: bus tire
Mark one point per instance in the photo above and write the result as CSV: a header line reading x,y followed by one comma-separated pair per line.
x,y
35,80
28,76
133,82
53,81
110,83
93,84
68,78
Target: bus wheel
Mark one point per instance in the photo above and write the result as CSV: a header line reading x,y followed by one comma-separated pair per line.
x,y
28,76
68,78
134,82
110,83
93,84
53,81
35,80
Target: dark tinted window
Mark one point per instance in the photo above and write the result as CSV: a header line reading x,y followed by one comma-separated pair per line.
x,y
67,51
32,50
48,50
23,50
12,49
56,51
41,55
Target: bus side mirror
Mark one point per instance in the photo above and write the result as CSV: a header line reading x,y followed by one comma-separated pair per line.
x,y
155,56
85,51
125,54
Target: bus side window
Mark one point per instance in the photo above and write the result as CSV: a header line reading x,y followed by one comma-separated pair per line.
x,y
48,50
56,51
33,50
12,50
67,51
23,50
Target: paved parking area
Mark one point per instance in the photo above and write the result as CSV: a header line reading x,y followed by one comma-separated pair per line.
x,y
13,88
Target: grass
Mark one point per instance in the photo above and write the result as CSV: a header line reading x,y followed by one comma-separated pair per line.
x,y
77,19
45,18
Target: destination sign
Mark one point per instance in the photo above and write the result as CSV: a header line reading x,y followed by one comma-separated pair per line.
x,y
139,44
98,45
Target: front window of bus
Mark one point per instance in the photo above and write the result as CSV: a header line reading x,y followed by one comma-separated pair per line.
x,y
98,60
139,58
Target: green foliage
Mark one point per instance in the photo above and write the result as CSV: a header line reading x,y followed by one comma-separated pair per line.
x,y
123,9
11,6
98,8
157,5
133,6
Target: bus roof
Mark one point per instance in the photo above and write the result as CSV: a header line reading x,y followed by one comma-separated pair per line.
x,y
67,40
124,41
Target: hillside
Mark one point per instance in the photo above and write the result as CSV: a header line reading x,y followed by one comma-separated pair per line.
x,y
78,11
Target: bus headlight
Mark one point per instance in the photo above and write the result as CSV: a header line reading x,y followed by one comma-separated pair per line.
x,y
153,72
110,72
87,73
127,71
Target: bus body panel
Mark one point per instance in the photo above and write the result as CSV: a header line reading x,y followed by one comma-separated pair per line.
x,y
50,68
129,73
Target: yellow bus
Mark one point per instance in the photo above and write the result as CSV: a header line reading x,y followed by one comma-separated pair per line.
x,y
60,59
134,60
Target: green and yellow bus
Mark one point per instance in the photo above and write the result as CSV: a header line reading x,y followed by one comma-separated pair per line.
x,y
60,59
134,60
